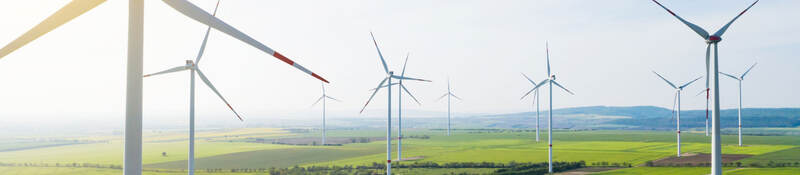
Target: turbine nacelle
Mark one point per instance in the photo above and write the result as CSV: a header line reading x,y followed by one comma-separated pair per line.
x,y
553,77
713,39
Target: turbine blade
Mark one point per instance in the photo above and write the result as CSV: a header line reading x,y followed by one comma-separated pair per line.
x,y
547,51
192,11
403,73
440,98
373,94
384,86
690,82
729,75
208,83
409,78
534,88
724,28
318,100
529,79
674,103
748,70
329,97
697,29
665,80
205,38
454,95
60,17
174,69
562,87
383,62
701,92
708,65
409,94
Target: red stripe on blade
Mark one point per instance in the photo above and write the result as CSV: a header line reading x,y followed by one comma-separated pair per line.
x,y
320,78
283,58
237,115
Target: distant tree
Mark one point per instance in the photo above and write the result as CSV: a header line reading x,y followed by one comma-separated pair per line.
x,y
164,154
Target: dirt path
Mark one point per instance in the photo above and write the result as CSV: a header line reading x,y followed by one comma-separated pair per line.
x,y
587,170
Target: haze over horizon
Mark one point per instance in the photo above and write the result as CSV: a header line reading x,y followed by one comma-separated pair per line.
x,y
602,51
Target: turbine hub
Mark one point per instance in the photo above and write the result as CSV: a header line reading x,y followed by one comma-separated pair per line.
x,y
713,39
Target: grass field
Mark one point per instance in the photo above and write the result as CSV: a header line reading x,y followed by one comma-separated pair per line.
x,y
223,149
785,156
699,171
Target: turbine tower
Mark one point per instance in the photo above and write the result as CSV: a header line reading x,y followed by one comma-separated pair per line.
x,y
389,75
740,79
551,80
448,95
678,90
535,102
132,163
323,98
716,146
400,109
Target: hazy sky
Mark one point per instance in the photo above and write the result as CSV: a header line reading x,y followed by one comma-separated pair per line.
x,y
603,51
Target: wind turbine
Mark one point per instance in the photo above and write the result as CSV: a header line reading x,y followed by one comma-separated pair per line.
x,y
400,109
389,76
132,164
740,79
193,68
551,80
323,98
678,90
448,95
716,146
536,102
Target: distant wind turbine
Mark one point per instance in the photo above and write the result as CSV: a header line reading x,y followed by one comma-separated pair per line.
x,y
740,79
448,95
678,90
551,80
389,76
400,109
132,164
535,102
323,98
716,145
193,68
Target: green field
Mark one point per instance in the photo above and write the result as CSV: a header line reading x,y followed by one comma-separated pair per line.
x,y
700,171
225,149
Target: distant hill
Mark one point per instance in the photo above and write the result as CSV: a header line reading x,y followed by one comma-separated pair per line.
x,y
638,117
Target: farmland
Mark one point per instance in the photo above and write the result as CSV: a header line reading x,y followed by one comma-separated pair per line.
x,y
227,150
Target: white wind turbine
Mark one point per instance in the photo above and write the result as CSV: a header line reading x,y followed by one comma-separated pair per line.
x,y
448,95
193,68
389,76
740,79
716,146
132,164
678,90
551,80
323,99
535,102
400,109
